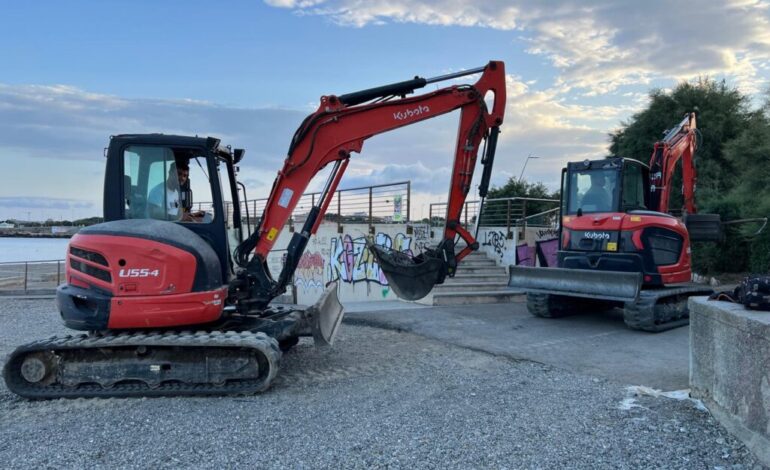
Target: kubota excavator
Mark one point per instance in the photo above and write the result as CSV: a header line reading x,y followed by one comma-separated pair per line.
x,y
619,246
181,307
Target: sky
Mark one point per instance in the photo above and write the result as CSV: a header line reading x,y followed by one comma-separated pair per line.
x,y
74,73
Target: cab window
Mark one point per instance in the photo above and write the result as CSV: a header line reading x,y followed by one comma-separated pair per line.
x,y
633,188
159,183
592,190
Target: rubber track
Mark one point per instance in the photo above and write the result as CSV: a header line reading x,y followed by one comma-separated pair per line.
x,y
544,306
642,314
226,339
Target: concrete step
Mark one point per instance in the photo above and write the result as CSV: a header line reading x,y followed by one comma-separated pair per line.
x,y
478,297
463,269
459,286
477,263
480,277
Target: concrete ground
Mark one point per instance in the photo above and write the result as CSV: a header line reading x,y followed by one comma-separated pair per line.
x,y
379,398
597,344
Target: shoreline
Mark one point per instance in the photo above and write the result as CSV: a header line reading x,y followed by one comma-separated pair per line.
x,y
34,235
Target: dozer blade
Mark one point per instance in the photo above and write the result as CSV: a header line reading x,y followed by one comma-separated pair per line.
x,y
327,315
605,285
410,278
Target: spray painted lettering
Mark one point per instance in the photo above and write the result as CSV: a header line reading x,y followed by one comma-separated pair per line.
x,y
496,240
309,273
351,262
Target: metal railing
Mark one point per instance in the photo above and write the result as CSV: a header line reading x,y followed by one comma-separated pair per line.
x,y
379,204
25,276
501,212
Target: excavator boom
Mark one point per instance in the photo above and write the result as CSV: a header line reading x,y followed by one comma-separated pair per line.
x,y
339,128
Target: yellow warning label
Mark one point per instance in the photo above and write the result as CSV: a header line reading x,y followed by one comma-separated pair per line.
x,y
612,246
636,218
272,233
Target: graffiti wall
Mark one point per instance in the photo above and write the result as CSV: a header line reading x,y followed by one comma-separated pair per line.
x,y
495,243
343,257
530,247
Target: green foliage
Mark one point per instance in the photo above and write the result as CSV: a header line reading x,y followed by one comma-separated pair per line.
x,y
733,163
88,221
759,251
522,188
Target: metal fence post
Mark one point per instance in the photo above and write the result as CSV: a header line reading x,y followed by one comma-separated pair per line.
x,y
371,227
524,213
408,200
508,220
26,272
339,211
58,272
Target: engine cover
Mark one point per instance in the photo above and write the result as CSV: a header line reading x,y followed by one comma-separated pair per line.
x,y
140,274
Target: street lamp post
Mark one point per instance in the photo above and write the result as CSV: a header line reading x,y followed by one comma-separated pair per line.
x,y
529,157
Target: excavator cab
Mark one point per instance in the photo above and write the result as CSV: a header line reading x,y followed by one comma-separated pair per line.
x,y
604,186
163,177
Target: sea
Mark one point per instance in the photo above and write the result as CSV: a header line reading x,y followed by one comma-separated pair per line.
x,y
32,249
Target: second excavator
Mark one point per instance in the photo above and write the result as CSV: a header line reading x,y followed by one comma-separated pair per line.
x,y
619,246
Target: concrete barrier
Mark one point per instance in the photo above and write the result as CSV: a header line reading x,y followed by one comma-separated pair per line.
x,y
730,369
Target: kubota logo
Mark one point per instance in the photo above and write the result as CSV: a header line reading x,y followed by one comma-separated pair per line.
x,y
419,110
597,235
139,272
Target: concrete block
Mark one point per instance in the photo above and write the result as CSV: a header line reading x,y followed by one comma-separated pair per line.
x,y
730,368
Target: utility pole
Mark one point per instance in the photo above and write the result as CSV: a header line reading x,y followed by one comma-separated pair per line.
x,y
529,157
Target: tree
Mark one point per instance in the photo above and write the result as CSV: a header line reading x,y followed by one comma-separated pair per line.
x,y
496,212
731,160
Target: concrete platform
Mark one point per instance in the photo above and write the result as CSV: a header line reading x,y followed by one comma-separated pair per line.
x,y
730,368
597,344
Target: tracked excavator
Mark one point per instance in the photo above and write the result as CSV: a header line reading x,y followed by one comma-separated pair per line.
x,y
619,245
176,302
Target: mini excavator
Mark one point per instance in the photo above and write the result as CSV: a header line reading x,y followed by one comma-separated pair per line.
x,y
619,246
178,303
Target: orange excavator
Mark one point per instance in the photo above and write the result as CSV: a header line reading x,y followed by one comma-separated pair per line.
x,y
619,246
178,303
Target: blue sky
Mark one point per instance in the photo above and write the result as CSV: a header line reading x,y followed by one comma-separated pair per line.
x,y
74,73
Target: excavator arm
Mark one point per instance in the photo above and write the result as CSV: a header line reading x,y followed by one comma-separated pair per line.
x,y
678,144
339,128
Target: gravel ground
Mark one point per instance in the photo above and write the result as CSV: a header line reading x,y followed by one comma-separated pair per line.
x,y
378,399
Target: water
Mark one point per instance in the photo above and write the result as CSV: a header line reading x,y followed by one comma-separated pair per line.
x,y
32,249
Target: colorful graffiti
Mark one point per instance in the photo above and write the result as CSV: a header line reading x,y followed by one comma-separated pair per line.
x,y
351,262
310,272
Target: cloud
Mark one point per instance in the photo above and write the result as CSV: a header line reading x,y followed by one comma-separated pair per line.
x,y
66,122
66,125
596,46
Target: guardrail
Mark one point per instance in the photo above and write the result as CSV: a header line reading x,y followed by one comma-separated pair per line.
x,y
379,204
501,212
25,276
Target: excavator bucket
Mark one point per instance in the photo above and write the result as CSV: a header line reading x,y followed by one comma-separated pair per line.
x,y
411,278
327,313
605,285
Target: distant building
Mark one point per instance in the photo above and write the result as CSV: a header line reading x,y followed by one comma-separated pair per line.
x,y
6,225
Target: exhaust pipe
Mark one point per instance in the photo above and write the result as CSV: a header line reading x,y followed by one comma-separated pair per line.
x,y
605,285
